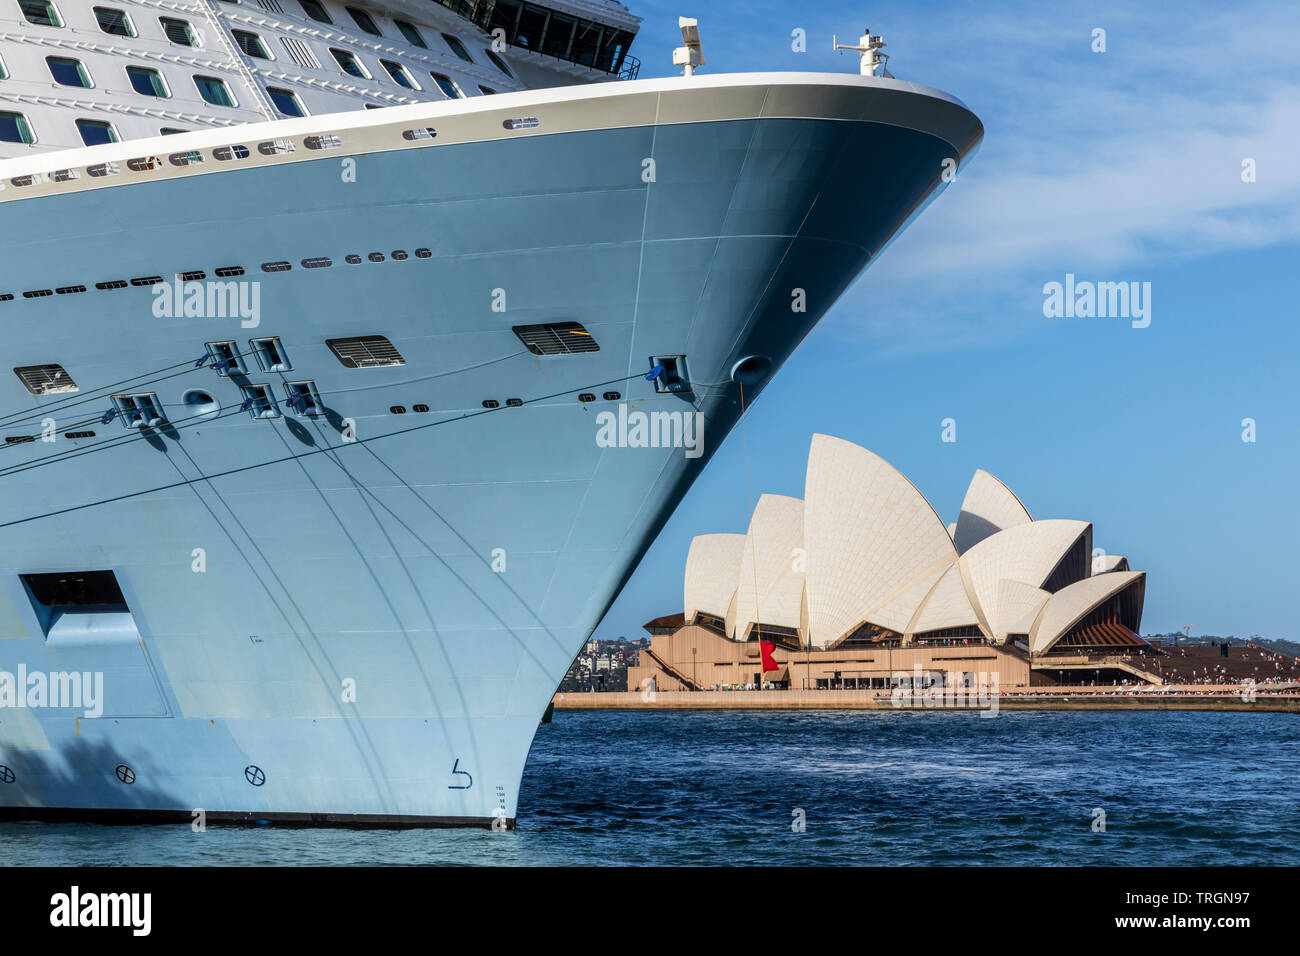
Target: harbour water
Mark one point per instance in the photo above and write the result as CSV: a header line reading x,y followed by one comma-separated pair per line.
x,y
899,788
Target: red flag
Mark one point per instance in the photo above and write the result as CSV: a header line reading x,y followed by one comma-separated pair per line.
x,y
769,662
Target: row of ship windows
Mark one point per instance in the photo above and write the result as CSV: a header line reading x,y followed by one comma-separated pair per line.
x,y
16,128
234,152
118,23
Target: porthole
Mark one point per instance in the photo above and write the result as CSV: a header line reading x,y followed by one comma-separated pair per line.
x,y
400,254
70,289
111,284
586,397
146,280
612,396
352,260
423,254
276,267
200,402
491,403
514,402
38,293
326,141
79,435
397,409
420,409
196,275
227,153
276,147
320,262
376,257
228,272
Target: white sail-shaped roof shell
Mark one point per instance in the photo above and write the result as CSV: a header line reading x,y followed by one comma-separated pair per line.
x,y
768,588
869,534
945,606
1069,605
1017,602
712,566
1105,563
897,613
989,507
1027,553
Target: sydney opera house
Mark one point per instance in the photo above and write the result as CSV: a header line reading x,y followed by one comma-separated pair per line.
x,y
861,579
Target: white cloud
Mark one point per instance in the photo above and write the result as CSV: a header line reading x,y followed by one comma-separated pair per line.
x,y
1094,164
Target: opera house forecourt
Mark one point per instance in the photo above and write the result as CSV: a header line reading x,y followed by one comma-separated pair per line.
x,y
860,584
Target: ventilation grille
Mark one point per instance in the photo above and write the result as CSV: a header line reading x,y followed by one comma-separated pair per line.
x,y
271,5
46,379
560,338
300,53
365,351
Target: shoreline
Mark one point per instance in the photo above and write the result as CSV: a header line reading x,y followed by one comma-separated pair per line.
x,y
1053,699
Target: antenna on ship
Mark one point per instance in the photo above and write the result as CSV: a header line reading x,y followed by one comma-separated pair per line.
x,y
869,47
692,55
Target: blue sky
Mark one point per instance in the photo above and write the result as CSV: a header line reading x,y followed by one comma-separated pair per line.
x,y
1122,165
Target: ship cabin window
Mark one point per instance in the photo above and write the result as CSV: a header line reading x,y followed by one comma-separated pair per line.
x,y
447,85
169,131
40,13
399,74
14,128
178,31
286,101
116,22
487,91
147,82
457,47
214,91
349,64
412,35
364,21
67,71
4,74
251,44
315,10
96,132
500,63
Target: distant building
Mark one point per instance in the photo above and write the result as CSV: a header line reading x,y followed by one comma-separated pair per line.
x,y
860,580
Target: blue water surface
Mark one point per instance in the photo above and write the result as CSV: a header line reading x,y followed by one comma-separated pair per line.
x,y
894,788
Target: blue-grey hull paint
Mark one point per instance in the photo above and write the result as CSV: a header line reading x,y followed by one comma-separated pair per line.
x,y
370,564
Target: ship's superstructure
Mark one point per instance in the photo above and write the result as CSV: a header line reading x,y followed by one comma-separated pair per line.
x,y
328,439
76,73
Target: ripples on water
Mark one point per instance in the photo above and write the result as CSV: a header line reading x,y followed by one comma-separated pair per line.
x,y
896,788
